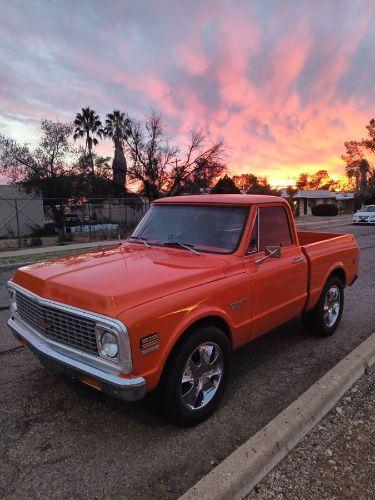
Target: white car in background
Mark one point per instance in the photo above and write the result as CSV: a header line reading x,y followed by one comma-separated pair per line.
x,y
365,215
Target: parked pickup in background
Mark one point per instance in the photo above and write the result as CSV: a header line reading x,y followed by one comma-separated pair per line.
x,y
199,277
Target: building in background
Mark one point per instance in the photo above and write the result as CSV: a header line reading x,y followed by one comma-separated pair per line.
x,y
20,214
305,200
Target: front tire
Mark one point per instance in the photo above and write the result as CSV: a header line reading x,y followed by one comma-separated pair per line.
x,y
324,319
196,376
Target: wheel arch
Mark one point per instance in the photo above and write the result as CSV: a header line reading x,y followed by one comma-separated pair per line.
x,y
338,272
210,320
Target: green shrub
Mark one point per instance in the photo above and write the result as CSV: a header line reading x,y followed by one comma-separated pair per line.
x,y
47,230
36,242
325,210
69,237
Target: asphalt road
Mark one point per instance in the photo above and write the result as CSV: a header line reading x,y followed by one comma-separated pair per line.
x,y
64,441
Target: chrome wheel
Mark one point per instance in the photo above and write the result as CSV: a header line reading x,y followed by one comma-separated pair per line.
x,y
202,375
332,306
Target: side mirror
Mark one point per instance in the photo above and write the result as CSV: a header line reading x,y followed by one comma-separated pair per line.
x,y
274,252
270,252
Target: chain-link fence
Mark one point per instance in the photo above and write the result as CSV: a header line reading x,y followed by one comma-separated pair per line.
x,y
27,222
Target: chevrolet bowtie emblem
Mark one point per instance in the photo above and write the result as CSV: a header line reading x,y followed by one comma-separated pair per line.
x,y
42,323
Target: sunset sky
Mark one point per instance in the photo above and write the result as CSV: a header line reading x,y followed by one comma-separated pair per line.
x,y
285,82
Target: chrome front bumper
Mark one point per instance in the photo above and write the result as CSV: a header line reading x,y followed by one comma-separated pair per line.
x,y
127,389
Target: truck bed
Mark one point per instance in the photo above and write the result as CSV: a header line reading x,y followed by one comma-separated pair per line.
x,y
308,237
326,252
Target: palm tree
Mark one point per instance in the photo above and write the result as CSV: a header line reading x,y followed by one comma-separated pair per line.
x,y
117,128
87,124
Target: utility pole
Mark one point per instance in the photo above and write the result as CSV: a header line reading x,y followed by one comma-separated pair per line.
x,y
18,223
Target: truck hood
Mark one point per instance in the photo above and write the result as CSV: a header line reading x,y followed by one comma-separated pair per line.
x,y
113,280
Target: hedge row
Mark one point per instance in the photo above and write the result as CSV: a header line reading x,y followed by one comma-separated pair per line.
x,y
325,210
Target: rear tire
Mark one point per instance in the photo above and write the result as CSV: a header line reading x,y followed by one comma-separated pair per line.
x,y
196,376
324,319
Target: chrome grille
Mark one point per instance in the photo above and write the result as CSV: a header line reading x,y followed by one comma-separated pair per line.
x,y
62,327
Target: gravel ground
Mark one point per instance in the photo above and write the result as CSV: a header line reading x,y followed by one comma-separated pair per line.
x,y
63,441
337,459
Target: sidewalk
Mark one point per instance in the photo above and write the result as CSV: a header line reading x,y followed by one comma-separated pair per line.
x,y
330,220
336,459
55,249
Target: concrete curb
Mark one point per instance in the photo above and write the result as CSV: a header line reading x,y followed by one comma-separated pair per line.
x,y
245,467
316,226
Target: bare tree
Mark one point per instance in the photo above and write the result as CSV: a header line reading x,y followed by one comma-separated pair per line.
x,y
155,162
200,156
44,169
151,154
19,163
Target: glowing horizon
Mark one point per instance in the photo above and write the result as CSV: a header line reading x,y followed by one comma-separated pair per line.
x,y
284,83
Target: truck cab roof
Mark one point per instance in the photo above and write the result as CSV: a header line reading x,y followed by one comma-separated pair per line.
x,y
221,199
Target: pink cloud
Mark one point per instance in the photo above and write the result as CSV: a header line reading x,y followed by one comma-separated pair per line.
x,y
285,86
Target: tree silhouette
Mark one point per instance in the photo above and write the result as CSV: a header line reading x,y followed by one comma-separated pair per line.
x,y
43,170
319,180
225,185
252,184
157,165
88,125
117,127
357,158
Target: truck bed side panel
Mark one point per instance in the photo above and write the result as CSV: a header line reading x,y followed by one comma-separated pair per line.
x,y
326,252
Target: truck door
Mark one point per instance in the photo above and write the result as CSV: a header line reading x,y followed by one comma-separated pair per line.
x,y
278,285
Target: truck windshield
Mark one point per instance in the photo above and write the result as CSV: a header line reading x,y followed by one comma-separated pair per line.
x,y
216,229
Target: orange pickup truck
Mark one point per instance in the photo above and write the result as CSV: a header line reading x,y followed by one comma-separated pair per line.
x,y
199,277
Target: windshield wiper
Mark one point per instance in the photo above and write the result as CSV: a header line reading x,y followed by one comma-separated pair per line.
x,y
179,243
139,238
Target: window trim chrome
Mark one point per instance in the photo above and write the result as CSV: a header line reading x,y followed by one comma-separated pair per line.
x,y
122,362
256,221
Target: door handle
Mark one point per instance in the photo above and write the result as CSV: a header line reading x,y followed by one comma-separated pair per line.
x,y
297,260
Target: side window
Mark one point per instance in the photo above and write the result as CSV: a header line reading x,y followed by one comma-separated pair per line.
x,y
273,227
253,244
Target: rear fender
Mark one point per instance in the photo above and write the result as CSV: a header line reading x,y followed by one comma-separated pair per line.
x,y
315,294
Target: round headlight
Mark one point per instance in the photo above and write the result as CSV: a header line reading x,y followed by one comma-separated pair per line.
x,y
13,302
109,344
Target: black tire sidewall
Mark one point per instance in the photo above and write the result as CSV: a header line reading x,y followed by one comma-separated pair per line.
x,y
171,387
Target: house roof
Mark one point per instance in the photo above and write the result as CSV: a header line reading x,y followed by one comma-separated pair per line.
x,y
318,194
345,196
